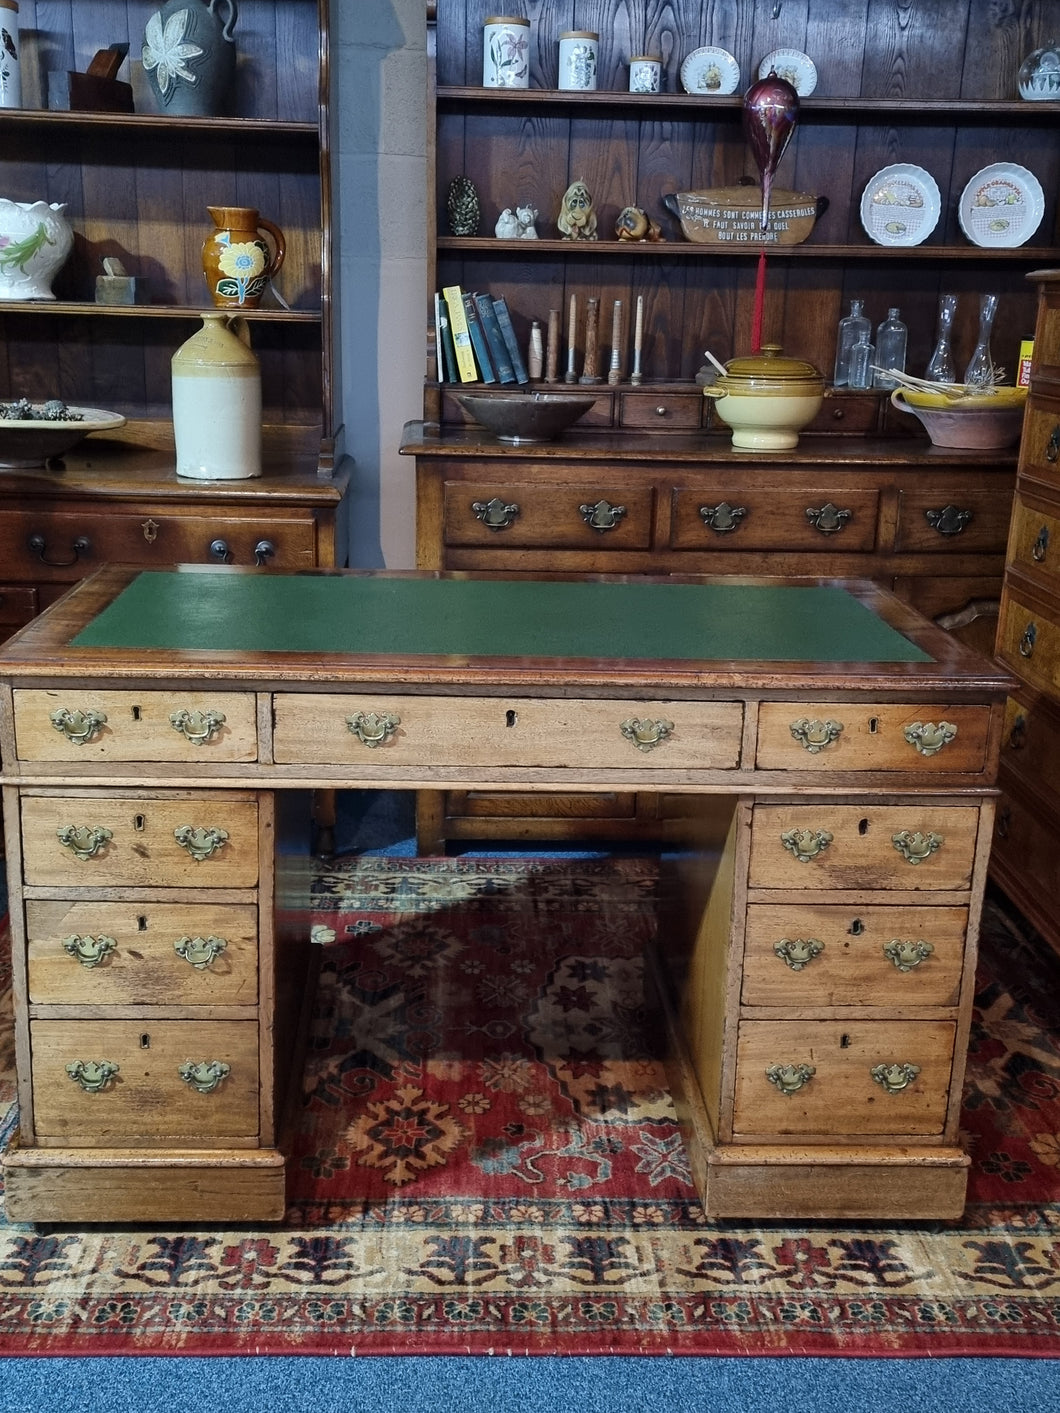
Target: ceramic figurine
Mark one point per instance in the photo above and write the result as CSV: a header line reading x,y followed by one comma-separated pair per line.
x,y
635,224
577,219
462,206
526,216
507,227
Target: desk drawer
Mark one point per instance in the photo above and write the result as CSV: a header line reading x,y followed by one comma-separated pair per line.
x,y
75,724
831,736
661,411
1034,542
1040,444
116,839
1030,745
144,1099
809,956
501,731
853,846
841,1096
115,954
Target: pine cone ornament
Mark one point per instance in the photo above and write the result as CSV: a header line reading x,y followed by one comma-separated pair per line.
x,y
462,204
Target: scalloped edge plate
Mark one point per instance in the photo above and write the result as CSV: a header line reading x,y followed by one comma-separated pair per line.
x,y
696,67
1013,193
911,220
795,66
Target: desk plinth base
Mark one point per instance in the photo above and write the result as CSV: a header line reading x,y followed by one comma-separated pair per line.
x,y
77,1185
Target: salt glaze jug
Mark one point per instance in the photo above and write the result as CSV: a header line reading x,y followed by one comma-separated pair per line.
x,y
237,259
217,403
189,56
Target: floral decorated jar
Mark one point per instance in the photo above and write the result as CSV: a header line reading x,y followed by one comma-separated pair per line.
x,y
35,239
237,260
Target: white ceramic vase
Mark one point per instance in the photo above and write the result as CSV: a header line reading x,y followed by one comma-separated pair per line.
x,y
35,239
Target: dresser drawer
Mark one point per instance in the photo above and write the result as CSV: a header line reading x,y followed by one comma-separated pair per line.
x,y
823,736
118,954
973,522
500,731
144,1098
665,411
130,840
1040,445
1034,541
824,1081
1030,745
76,724
722,515
853,414
18,604
805,957
504,515
853,846
66,545
1028,641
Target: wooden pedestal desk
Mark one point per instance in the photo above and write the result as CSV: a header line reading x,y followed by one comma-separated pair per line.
x,y
817,971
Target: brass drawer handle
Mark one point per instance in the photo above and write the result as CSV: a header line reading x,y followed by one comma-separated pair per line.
x,y
89,951
894,1078
85,840
264,550
789,1079
798,952
200,842
198,727
916,846
204,1075
815,736
828,518
1052,449
199,952
645,734
92,1075
722,518
1028,640
81,545
78,726
1017,737
906,955
372,728
495,514
1040,548
806,844
949,520
602,516
928,737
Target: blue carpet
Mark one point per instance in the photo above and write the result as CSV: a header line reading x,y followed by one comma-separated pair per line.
x,y
537,1385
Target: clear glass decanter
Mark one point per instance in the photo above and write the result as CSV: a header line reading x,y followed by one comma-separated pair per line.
x,y
941,367
847,335
980,370
891,339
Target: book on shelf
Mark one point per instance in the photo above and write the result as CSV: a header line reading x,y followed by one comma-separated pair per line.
x,y
478,340
502,362
458,327
445,355
504,321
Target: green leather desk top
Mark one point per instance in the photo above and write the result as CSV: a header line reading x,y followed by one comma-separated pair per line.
x,y
508,618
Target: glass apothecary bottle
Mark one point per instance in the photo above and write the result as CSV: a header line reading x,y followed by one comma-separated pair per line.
x,y
848,334
940,368
862,357
891,339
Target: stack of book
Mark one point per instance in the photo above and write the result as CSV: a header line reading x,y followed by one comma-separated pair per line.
x,y
475,339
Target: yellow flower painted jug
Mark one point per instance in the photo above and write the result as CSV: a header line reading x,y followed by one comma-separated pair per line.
x,y
237,260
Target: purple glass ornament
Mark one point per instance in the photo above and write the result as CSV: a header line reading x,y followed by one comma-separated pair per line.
x,y
770,112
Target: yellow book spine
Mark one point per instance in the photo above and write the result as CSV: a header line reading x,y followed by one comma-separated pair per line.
x,y
465,358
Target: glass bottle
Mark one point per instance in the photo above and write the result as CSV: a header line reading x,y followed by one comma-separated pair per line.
x,y
891,339
940,367
862,357
850,330
980,370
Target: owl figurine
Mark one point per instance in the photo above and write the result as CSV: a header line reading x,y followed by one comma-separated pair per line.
x,y
462,207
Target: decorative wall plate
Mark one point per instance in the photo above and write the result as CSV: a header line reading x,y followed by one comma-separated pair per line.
x,y
710,70
793,65
1002,205
900,205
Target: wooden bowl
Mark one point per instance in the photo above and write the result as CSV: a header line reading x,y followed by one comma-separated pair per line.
x,y
32,442
526,417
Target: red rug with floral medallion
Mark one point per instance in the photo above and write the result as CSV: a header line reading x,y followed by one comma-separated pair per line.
x,y
487,1160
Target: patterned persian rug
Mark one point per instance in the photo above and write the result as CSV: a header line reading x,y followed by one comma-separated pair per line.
x,y
487,1161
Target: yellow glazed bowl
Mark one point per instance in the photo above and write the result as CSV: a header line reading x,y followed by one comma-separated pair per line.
x,y
999,398
767,399
982,427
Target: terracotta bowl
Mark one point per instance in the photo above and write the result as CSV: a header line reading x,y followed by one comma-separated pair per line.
x,y
526,417
976,428
26,443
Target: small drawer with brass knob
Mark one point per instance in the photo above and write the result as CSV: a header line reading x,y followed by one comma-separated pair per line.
x,y
666,410
150,1082
76,724
857,1078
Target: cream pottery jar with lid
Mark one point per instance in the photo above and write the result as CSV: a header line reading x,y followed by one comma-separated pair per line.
x,y
767,399
217,404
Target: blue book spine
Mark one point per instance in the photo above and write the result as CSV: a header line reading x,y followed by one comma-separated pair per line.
x,y
478,341
504,319
502,362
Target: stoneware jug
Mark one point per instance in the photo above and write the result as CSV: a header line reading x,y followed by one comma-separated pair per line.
x,y
217,403
236,258
189,56
35,239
